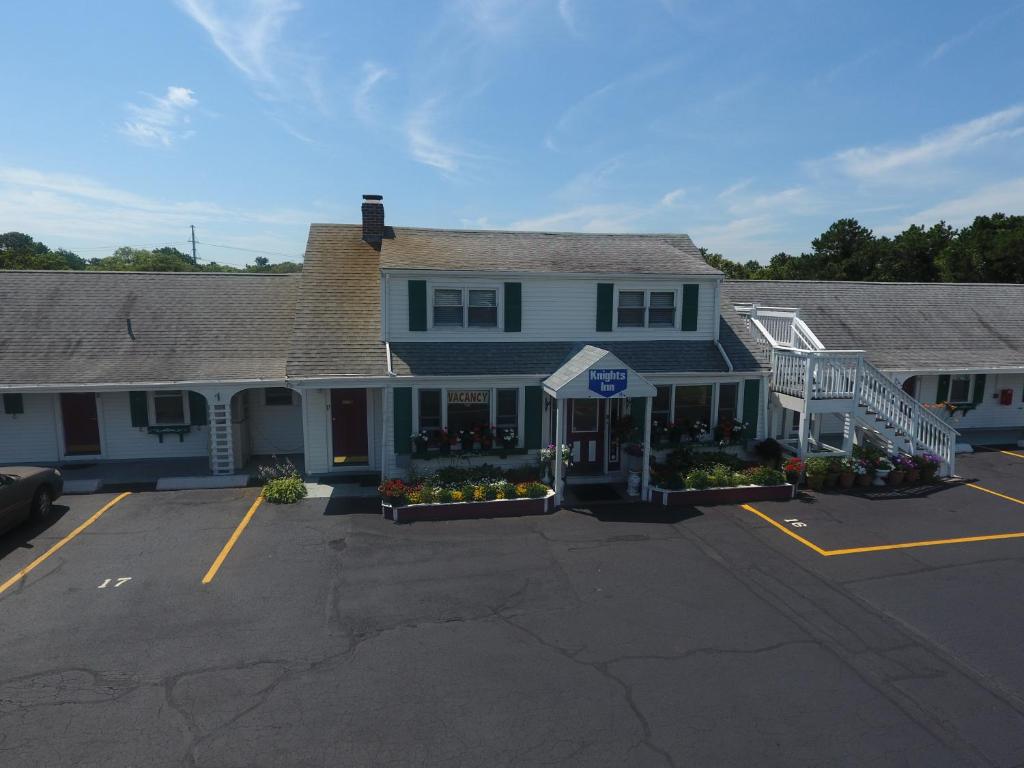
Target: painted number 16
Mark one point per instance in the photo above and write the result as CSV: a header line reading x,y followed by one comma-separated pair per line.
x,y
795,523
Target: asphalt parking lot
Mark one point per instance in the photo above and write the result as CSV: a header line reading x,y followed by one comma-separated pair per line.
x,y
621,636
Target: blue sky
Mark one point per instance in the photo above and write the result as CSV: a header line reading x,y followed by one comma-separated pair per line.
x,y
749,125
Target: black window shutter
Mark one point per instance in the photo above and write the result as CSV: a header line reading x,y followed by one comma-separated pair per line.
x,y
196,409
979,388
942,394
417,305
533,416
14,403
691,306
513,307
403,420
751,401
139,409
605,300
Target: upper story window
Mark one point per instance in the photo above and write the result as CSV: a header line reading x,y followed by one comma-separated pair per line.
x,y
465,307
647,309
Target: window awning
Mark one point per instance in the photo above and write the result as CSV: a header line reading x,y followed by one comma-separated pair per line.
x,y
596,373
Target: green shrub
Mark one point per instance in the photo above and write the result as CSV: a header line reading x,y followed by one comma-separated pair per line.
x,y
442,496
284,490
536,490
765,476
769,451
722,476
819,466
698,479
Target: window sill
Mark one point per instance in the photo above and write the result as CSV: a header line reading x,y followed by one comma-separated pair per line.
x,y
170,429
428,455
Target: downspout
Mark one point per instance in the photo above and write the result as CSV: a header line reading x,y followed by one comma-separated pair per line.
x,y
721,351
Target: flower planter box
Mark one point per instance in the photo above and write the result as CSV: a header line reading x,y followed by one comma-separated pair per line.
x,y
461,510
710,496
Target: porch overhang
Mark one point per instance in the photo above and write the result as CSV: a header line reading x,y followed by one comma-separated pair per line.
x,y
596,373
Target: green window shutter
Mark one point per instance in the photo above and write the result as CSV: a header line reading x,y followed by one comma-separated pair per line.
x,y
979,388
691,306
139,409
513,307
942,394
196,409
417,305
14,404
605,300
533,410
638,412
751,403
403,420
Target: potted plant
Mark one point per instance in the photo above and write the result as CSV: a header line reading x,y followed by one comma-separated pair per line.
x,y
896,476
467,438
832,473
420,441
675,431
912,470
698,430
882,469
444,444
817,472
929,465
862,472
794,469
509,438
846,473
393,491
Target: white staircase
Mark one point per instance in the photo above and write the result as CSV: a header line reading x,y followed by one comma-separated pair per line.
x,y
222,458
810,379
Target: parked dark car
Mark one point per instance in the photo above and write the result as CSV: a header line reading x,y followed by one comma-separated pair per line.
x,y
27,492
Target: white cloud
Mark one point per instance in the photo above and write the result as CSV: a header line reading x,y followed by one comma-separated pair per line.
x,y
1001,197
372,74
163,120
739,186
669,199
959,39
568,14
879,162
67,210
610,217
425,147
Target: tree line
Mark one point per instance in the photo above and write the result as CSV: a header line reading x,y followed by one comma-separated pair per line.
x,y
990,250
20,251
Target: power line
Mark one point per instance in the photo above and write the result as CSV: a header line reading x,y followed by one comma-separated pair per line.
x,y
250,250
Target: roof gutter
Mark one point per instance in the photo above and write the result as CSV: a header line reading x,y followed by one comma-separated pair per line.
x,y
721,351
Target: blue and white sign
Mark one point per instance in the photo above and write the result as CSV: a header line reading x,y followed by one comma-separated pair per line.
x,y
608,382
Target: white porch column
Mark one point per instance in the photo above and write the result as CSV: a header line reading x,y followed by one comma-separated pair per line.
x,y
645,472
387,447
805,418
557,462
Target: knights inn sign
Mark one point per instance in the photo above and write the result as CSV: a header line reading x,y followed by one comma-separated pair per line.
x,y
608,382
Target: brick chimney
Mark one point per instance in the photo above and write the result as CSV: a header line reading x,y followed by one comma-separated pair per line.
x,y
373,219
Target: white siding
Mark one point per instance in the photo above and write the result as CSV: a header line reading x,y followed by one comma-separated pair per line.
x,y
30,436
274,429
989,414
554,309
120,440
316,421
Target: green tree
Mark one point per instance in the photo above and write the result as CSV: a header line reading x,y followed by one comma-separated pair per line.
x,y
990,250
20,251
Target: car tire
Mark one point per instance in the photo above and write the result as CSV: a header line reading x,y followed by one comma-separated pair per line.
x,y
42,503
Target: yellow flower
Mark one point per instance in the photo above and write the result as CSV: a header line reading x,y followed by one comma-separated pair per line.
x,y
457,496
414,497
479,493
522,489
499,495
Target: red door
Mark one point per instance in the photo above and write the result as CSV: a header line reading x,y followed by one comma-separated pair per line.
x,y
81,424
585,435
348,426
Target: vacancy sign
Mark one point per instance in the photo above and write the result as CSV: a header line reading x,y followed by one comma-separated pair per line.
x,y
608,382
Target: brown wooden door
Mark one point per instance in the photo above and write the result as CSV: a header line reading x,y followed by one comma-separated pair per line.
x,y
81,423
348,426
585,435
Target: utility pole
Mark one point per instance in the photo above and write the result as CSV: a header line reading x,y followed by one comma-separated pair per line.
x,y
194,261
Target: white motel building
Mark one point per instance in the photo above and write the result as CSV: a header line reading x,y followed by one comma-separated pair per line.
x,y
393,341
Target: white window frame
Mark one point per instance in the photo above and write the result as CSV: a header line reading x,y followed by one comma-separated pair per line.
x,y
714,397
151,402
647,291
492,398
971,380
465,289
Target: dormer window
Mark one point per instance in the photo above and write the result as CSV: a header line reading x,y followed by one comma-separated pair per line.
x,y
465,307
647,309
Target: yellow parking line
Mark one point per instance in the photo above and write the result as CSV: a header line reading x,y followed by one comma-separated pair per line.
x,y
1011,453
885,547
786,530
995,493
231,542
39,560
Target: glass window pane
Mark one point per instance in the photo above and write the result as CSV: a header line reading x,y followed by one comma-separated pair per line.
x,y
430,409
660,412
169,407
468,417
483,298
959,388
507,408
584,415
693,404
727,396
631,309
483,317
447,297
662,313
631,299
448,307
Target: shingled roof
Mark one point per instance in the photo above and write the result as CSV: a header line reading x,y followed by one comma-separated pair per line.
x,y
903,326
548,252
72,327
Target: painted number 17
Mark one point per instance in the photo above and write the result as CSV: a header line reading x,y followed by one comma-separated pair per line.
x,y
117,582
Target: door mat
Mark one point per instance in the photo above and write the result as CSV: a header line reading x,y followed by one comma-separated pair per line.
x,y
595,492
